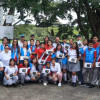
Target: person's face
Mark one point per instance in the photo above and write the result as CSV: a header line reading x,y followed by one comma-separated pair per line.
x,y
6,48
53,62
48,65
25,43
26,62
5,41
12,63
95,39
71,41
74,45
42,46
46,39
34,60
79,38
32,42
22,38
49,43
85,42
37,43
15,42
64,41
59,47
57,39
90,44
32,37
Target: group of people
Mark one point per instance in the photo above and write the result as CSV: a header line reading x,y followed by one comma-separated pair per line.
x,y
50,62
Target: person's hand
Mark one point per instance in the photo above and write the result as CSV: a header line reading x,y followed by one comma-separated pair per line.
x,y
7,78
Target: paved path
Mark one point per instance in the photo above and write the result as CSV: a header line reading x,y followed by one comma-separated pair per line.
x,y
51,92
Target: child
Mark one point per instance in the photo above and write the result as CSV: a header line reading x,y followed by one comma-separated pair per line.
x,y
89,57
10,74
46,76
56,71
74,67
34,71
24,76
62,61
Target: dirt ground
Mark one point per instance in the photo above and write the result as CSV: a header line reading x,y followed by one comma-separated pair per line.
x,y
51,92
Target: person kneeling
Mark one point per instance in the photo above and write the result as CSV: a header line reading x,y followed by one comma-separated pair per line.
x,y
46,74
34,71
10,74
56,71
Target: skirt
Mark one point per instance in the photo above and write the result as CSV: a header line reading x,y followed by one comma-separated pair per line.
x,y
72,67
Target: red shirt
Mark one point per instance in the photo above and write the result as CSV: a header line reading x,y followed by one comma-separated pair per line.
x,y
40,51
95,45
21,66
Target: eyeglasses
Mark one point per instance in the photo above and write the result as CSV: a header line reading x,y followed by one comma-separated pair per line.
x,y
6,48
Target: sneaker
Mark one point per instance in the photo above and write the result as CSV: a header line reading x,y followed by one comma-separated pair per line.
x,y
22,84
91,86
87,85
83,84
45,84
59,84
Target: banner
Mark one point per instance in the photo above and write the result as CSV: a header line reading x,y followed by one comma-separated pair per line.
x,y
6,31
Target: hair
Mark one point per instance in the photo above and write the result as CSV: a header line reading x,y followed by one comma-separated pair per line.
x,y
77,49
47,63
50,41
5,38
36,64
6,46
90,41
38,41
16,45
27,44
53,59
10,62
28,63
57,47
45,38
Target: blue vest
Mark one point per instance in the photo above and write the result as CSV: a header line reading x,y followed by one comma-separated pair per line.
x,y
89,55
33,47
13,53
64,61
81,51
22,52
98,52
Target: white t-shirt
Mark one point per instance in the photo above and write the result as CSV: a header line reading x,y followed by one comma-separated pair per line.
x,y
72,53
25,51
33,69
55,68
85,47
80,43
1,64
11,70
5,57
54,45
20,44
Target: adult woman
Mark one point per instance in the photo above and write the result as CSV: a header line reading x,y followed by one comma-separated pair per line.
x,y
5,56
15,51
